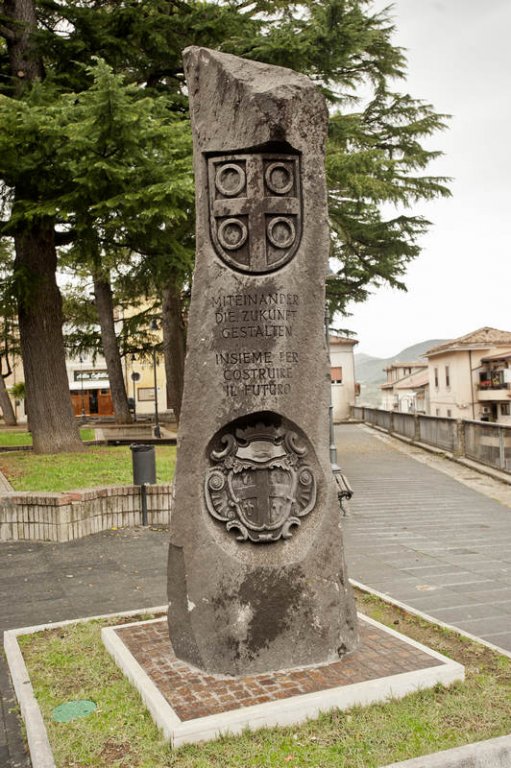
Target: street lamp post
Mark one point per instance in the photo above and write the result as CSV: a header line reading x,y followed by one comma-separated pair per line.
x,y
81,387
332,446
135,376
157,430
344,490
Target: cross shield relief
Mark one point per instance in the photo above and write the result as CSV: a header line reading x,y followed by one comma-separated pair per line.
x,y
263,496
260,484
255,210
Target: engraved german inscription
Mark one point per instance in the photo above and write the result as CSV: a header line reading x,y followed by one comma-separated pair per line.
x,y
255,210
257,318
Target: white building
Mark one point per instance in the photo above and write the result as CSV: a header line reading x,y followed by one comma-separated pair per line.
x,y
404,390
470,377
342,375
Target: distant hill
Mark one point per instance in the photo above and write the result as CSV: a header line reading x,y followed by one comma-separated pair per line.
x,y
370,371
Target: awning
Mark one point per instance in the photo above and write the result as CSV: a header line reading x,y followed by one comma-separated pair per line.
x,y
77,386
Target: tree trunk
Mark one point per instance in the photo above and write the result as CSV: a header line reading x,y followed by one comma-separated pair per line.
x,y
174,344
6,404
53,425
105,307
20,18
52,421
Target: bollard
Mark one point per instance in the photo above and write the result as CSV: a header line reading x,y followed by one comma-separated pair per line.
x,y
144,472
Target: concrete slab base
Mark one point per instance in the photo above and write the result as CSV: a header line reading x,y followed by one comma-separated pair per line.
x,y
190,706
422,668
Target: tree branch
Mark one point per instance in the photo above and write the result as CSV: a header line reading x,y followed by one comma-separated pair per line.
x,y
6,32
64,238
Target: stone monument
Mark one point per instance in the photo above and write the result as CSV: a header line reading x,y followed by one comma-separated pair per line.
x,y
256,578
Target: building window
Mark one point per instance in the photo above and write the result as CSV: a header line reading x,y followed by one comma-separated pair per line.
x,y
449,413
437,411
436,379
145,394
504,409
336,375
447,377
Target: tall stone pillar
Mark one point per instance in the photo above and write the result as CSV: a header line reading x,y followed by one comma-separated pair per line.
x,y
256,577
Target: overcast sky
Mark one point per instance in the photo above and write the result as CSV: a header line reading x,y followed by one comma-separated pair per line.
x,y
459,60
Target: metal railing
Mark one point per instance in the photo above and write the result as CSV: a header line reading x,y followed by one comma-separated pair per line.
x,y
481,441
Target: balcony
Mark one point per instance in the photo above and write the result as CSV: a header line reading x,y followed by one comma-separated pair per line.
x,y
493,391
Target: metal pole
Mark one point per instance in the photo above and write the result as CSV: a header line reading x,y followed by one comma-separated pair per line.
x,y
143,498
344,490
81,385
333,447
157,431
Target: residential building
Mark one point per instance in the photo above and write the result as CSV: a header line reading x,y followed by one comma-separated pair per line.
x,y
405,388
140,375
470,378
90,386
342,374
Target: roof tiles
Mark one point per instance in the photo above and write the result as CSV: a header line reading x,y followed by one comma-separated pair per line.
x,y
486,336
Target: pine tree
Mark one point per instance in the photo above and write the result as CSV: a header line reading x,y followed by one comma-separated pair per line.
x,y
70,128
32,228
130,161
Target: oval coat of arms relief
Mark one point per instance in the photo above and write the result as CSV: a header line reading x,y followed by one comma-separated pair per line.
x,y
260,484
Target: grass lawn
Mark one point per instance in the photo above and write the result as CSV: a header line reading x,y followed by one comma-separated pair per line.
x,y
12,438
96,465
70,663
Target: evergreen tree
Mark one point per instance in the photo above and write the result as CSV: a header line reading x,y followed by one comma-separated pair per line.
x,y
130,160
9,334
25,174
69,179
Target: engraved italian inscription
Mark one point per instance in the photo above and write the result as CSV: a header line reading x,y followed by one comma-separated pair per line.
x,y
255,210
260,484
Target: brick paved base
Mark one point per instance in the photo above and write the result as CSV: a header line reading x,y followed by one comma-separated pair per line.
x,y
190,705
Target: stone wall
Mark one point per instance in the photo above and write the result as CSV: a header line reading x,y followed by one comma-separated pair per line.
x,y
66,516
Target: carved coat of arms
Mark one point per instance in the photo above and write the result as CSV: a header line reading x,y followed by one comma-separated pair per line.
x,y
261,484
255,210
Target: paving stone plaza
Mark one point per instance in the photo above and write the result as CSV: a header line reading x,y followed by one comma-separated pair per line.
x,y
430,533
422,529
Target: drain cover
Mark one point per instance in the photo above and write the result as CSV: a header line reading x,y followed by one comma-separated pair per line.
x,y
72,710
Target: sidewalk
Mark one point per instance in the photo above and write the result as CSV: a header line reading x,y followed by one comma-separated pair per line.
x,y
420,528
428,532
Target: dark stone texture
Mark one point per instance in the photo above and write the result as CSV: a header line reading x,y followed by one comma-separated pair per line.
x,y
256,560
